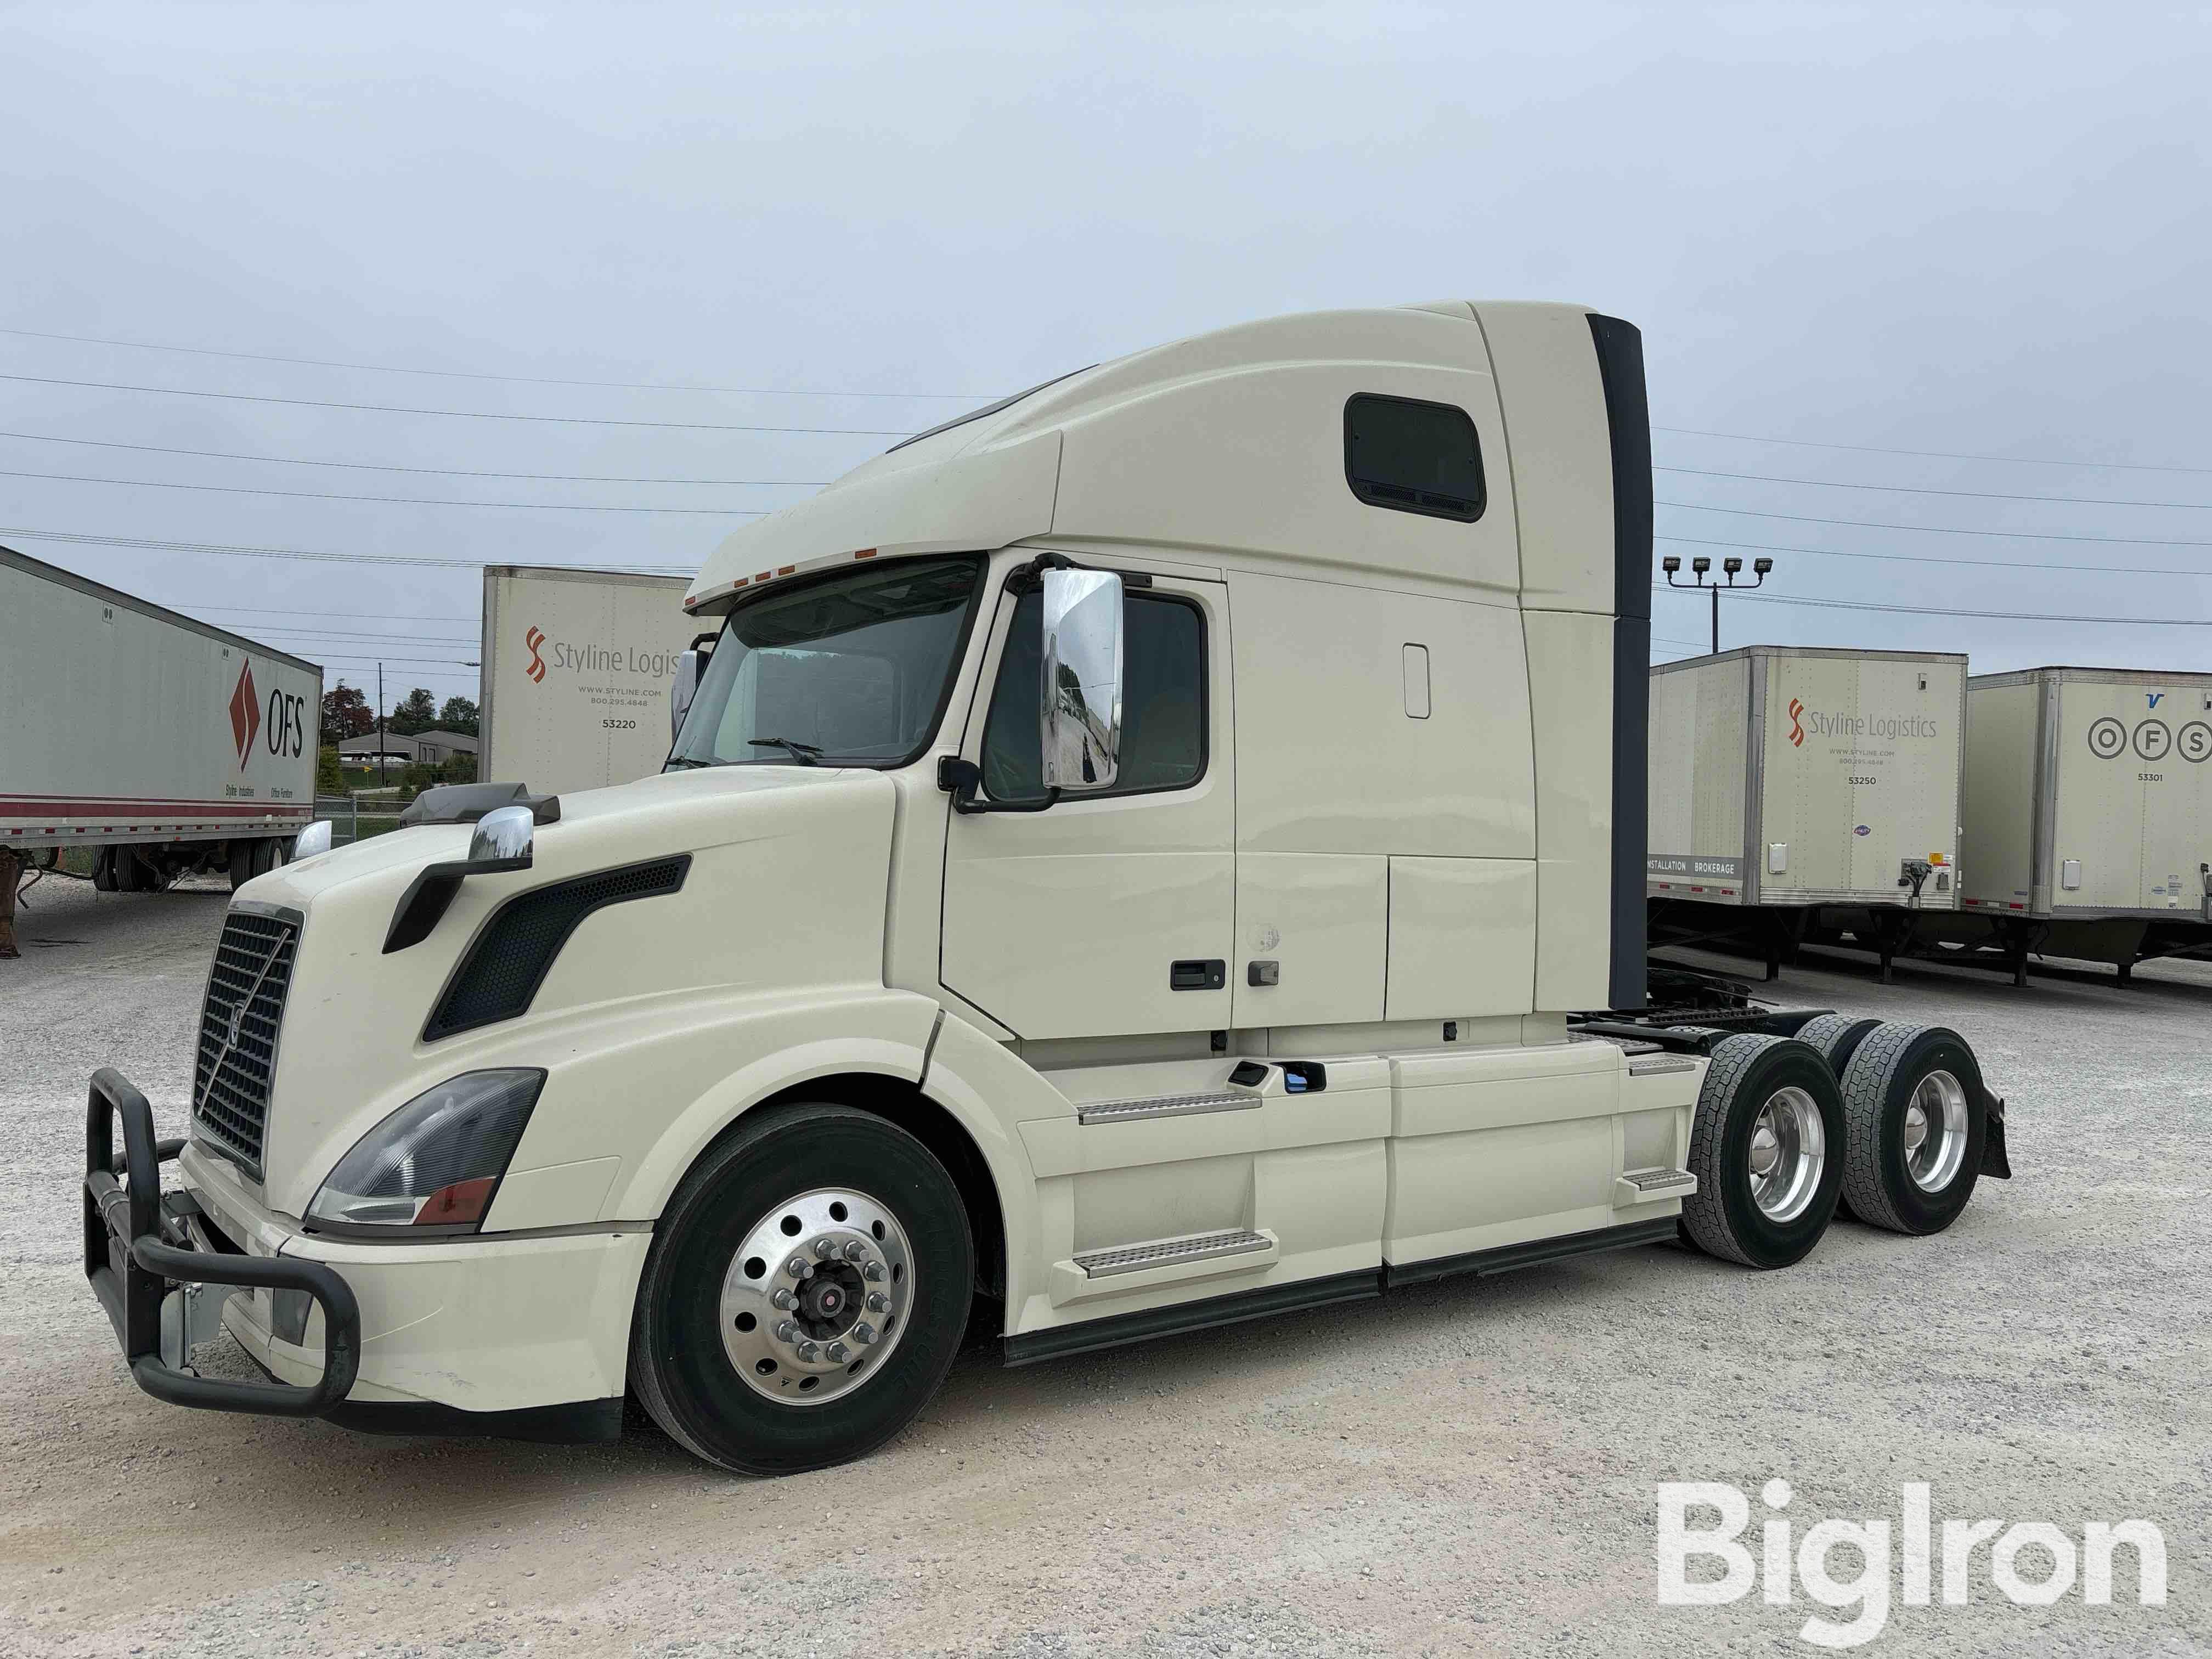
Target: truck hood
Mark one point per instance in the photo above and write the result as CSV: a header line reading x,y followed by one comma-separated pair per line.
x,y
786,849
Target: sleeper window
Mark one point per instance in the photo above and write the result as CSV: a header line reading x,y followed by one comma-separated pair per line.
x,y
1414,457
1163,702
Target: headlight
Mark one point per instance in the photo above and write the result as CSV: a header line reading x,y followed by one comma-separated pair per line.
x,y
436,1161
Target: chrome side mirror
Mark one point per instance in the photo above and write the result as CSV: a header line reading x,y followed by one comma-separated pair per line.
x,y
688,665
1081,713
502,838
315,838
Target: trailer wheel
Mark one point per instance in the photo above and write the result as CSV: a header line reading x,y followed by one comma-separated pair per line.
x,y
1915,1124
1767,1145
806,1293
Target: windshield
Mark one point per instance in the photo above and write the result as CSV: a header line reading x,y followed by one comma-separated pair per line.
x,y
852,670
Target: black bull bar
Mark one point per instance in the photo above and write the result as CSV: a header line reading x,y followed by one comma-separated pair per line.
x,y
137,1254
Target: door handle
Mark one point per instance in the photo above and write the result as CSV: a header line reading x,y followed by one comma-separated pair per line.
x,y
1210,974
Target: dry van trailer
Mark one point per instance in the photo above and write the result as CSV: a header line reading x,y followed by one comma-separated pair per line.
x,y
1798,791
2089,826
162,743
576,668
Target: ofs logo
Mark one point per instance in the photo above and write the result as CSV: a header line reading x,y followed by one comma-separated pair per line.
x,y
245,714
286,724
1796,723
533,638
2152,739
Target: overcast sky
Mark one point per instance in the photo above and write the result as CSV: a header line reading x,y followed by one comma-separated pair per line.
x,y
1972,229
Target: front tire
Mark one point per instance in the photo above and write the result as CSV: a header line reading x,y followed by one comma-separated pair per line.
x,y
758,1367
1765,1145
1915,1125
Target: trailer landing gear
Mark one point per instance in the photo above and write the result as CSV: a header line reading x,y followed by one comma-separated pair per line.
x,y
11,869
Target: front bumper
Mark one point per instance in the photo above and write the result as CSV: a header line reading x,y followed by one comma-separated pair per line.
x,y
523,1335
139,1254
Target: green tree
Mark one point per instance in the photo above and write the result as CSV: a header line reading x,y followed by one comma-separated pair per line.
x,y
416,712
330,779
458,714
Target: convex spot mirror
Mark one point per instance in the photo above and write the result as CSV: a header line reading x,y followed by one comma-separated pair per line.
x,y
1081,722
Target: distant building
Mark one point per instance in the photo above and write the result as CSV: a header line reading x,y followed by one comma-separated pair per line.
x,y
432,748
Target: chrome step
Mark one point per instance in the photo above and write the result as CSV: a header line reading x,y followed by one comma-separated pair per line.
x,y
1649,1186
1129,1111
1172,1252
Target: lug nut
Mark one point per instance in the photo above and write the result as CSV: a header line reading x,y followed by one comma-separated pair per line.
x,y
810,1352
854,1250
838,1353
786,1331
877,1302
873,1270
864,1333
783,1299
825,1248
799,1267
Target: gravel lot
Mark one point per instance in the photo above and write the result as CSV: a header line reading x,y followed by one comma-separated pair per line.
x,y
1465,1468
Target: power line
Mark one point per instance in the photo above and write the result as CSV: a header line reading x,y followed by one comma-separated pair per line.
x,y
268,611
162,544
1937,558
1945,610
1910,490
440,471
471,374
390,501
1937,529
1939,454
456,414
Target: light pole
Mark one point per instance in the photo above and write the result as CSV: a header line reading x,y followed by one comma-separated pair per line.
x,y
1731,567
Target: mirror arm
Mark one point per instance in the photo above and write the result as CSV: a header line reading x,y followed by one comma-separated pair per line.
x,y
1026,578
960,779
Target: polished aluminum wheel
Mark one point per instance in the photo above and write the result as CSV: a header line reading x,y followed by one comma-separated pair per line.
x,y
1935,1132
816,1296
1788,1150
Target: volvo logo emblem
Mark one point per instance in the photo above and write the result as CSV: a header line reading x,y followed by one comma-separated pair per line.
x,y
237,1019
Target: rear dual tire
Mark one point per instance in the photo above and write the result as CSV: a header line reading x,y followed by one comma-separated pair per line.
x,y
1766,1145
1916,1122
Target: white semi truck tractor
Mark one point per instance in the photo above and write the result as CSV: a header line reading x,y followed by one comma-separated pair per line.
x,y
1161,850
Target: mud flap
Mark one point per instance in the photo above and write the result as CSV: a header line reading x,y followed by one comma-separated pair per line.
x,y
1994,1162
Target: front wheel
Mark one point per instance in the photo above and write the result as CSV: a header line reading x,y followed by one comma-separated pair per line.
x,y
1766,1146
805,1294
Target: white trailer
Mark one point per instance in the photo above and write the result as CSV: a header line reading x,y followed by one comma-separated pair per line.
x,y
576,671
1132,862
2088,827
162,742
1819,789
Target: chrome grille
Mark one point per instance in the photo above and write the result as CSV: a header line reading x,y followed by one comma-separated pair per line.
x,y
245,1011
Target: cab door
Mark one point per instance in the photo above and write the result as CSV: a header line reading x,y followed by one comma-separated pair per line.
x,y
1110,914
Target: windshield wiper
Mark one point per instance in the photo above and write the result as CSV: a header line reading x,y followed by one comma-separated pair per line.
x,y
804,753
686,760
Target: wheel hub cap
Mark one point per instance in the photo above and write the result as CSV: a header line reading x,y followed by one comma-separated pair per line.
x,y
1934,1133
817,1296
1788,1152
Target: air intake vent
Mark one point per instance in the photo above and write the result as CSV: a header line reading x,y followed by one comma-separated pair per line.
x,y
508,959
239,1026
